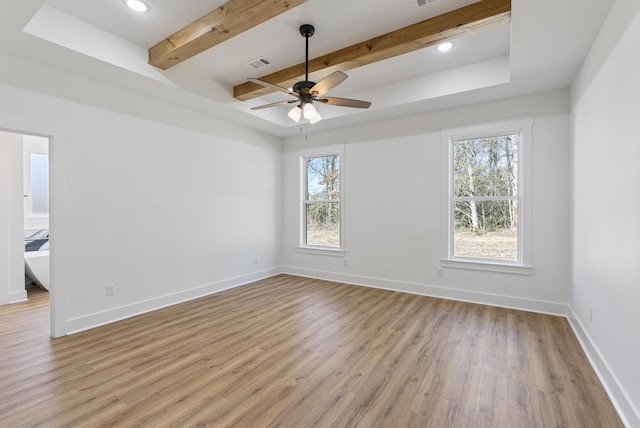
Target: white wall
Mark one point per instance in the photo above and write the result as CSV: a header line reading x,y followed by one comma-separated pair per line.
x,y
164,203
606,232
11,220
393,186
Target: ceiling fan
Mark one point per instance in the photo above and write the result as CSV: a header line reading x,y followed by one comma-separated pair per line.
x,y
307,93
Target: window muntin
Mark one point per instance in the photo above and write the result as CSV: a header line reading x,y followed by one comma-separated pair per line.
x,y
322,201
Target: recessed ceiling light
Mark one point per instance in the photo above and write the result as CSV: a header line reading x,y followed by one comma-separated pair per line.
x,y
445,46
137,5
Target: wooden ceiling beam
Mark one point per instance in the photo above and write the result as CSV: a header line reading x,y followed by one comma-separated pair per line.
x,y
223,23
467,20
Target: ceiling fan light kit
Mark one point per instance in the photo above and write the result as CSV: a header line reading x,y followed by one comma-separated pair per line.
x,y
315,119
307,92
295,113
309,111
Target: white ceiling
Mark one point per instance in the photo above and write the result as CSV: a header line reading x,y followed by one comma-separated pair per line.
x,y
100,39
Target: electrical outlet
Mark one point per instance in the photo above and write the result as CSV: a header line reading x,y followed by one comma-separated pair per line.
x,y
111,290
440,273
590,313
346,262
255,260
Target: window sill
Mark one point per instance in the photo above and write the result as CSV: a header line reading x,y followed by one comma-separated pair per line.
x,y
323,251
487,266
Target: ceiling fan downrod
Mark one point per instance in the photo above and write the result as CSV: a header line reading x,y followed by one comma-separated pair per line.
x,y
303,87
307,31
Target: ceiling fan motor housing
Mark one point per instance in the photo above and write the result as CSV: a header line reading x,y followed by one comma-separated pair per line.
x,y
302,88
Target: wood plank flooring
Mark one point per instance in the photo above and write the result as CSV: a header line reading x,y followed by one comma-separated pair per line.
x,y
297,352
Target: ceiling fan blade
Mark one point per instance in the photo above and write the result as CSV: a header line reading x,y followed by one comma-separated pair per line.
x,y
272,86
344,102
328,83
279,103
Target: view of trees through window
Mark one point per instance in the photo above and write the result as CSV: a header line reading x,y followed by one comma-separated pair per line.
x,y
322,201
485,199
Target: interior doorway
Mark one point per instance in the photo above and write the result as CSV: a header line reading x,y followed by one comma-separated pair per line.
x,y
25,220
12,210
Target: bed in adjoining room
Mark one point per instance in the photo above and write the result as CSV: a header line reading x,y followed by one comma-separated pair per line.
x,y
36,256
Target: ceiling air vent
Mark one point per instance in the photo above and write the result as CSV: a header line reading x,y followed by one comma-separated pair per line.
x,y
258,63
423,3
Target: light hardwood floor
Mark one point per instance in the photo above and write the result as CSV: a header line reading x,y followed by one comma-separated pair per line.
x,y
296,352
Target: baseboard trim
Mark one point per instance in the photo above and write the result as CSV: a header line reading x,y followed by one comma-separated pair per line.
x,y
17,296
624,406
88,322
531,305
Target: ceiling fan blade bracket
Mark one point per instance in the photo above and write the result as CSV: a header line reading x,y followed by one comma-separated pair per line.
x,y
273,86
279,103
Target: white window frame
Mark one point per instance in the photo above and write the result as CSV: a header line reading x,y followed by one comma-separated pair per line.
x,y
519,125
303,155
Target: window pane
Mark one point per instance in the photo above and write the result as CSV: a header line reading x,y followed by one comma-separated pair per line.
x,y
323,178
39,184
486,167
486,230
323,224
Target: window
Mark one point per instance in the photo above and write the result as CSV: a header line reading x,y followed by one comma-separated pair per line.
x,y
488,192
36,181
39,195
321,209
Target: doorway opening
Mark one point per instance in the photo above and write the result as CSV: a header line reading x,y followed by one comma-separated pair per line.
x,y
36,211
25,203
